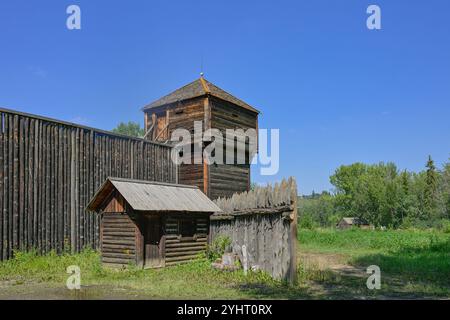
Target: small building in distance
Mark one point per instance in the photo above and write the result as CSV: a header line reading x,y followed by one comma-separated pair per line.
x,y
203,101
347,223
151,224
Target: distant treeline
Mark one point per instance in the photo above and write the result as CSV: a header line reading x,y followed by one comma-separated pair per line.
x,y
383,196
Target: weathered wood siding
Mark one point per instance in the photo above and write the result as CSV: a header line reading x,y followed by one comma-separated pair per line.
x,y
220,180
225,115
179,248
225,180
192,175
49,170
263,220
118,239
179,115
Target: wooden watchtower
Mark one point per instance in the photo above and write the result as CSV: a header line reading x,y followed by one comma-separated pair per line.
x,y
203,101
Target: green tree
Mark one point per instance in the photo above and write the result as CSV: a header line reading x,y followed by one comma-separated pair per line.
x,y
383,196
430,187
444,191
131,128
346,180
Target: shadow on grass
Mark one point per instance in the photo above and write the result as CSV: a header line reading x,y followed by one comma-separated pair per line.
x,y
429,263
312,284
407,273
281,291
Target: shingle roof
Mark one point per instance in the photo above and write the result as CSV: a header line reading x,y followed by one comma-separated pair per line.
x,y
198,88
154,196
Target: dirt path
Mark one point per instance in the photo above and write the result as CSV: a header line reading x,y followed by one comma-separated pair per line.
x,y
333,277
330,261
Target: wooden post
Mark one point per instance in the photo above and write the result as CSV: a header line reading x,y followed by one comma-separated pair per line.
x,y
146,124
167,124
1,187
72,193
16,184
154,126
293,232
207,126
139,224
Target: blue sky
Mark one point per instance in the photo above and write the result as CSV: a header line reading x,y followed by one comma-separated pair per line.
x,y
338,92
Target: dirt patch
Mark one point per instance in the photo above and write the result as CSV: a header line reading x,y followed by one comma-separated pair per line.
x,y
332,262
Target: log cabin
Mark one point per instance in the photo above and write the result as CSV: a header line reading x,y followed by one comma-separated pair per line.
x,y
151,224
203,101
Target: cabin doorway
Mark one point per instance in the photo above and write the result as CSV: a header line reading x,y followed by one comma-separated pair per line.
x,y
152,240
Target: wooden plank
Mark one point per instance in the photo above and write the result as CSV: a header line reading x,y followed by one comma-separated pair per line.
x,y
182,258
184,249
29,186
15,200
82,201
172,254
109,233
128,256
185,244
117,260
53,168
22,193
118,231
118,247
40,187
6,185
72,191
60,194
123,242
1,187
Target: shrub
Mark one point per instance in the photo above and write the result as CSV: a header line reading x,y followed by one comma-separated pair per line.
x,y
306,221
218,247
445,226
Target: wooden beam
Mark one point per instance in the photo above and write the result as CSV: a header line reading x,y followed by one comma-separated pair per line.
x,y
148,131
162,130
207,126
146,121
153,125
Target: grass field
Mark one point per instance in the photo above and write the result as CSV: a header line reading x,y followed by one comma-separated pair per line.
x,y
46,277
414,264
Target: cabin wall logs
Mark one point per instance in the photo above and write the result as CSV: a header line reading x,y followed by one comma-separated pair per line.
x,y
49,170
118,240
179,247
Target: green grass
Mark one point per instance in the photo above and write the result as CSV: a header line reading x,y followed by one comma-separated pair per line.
x,y
413,264
416,257
195,280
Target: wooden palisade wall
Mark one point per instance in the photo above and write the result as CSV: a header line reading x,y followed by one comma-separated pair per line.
x,y
265,221
49,170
